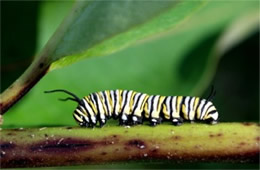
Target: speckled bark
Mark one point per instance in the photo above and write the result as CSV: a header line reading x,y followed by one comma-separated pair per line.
x,y
228,142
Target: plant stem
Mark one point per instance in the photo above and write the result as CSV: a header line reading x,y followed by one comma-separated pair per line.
x,y
24,84
62,146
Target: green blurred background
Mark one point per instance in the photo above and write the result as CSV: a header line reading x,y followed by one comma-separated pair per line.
x,y
151,68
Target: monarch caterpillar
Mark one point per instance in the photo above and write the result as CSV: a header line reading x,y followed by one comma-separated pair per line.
x,y
132,107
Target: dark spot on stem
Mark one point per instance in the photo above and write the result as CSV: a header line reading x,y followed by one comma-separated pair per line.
x,y
247,124
41,65
111,139
70,161
10,134
219,134
69,128
136,143
127,148
2,154
65,145
176,137
87,160
216,135
242,143
197,146
20,162
18,129
154,150
257,138
17,162
7,146
103,153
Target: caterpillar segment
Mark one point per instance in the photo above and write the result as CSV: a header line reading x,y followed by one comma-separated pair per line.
x,y
132,108
125,107
153,109
139,102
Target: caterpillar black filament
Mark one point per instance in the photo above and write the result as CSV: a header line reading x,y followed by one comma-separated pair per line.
x,y
133,107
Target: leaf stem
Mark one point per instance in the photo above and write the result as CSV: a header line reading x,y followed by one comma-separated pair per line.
x,y
23,84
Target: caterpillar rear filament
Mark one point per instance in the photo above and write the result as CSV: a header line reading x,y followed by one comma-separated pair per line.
x,y
132,108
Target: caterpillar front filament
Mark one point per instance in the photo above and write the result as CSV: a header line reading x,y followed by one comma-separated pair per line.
x,y
133,108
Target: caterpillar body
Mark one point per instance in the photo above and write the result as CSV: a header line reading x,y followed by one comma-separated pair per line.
x,y
133,108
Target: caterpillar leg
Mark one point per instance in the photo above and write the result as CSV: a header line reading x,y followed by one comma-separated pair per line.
x,y
192,121
155,121
115,116
87,124
84,124
136,120
124,120
211,121
177,121
102,122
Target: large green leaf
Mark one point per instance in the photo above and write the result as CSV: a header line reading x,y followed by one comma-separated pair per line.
x,y
104,27
95,28
49,19
180,61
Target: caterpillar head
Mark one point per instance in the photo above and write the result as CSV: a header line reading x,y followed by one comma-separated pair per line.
x,y
80,114
210,113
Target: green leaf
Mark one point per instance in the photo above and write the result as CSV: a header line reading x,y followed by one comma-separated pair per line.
x,y
95,28
179,61
101,28
49,19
